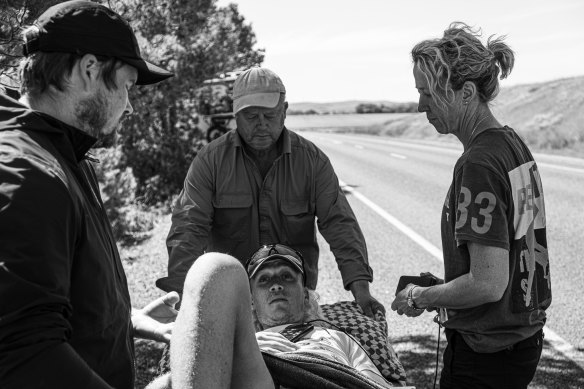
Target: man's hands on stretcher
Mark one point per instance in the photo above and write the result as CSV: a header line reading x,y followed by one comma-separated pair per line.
x,y
368,303
156,320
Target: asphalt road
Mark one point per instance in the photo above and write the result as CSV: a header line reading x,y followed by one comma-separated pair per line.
x,y
397,189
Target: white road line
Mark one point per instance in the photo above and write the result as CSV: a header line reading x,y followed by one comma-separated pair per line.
x,y
455,149
413,235
359,147
558,167
399,156
555,340
337,142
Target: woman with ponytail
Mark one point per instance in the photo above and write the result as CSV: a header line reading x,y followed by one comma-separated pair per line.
x,y
496,271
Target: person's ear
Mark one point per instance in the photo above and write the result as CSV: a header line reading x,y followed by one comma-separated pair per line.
x,y
285,109
88,68
469,91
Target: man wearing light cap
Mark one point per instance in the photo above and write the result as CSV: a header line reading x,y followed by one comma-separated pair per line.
x,y
261,184
65,315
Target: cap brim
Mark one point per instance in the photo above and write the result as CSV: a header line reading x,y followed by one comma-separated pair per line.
x,y
266,100
169,284
148,73
289,260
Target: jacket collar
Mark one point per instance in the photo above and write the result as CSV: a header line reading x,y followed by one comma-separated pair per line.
x,y
69,140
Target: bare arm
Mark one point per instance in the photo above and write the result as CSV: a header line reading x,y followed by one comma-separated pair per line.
x,y
484,283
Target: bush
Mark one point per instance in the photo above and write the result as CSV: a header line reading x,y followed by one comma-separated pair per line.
x,y
129,219
160,139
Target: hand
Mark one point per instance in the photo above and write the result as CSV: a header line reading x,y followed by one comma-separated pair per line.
x,y
156,320
274,342
428,274
368,303
400,303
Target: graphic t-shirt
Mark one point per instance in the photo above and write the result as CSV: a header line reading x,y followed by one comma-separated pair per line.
x,y
338,347
496,199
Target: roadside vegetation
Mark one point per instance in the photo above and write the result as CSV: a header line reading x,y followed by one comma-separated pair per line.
x,y
548,115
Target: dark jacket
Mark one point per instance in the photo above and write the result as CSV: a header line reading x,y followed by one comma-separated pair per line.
x,y
64,302
227,206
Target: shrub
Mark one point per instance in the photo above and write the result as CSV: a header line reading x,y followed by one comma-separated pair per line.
x,y
129,219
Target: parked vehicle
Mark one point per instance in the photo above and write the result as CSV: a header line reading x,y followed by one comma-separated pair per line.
x,y
215,107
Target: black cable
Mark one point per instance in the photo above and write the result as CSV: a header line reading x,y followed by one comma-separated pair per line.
x,y
437,356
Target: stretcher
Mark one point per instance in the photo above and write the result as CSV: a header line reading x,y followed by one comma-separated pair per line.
x,y
305,372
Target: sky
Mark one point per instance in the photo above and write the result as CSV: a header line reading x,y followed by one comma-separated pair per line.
x,y
338,50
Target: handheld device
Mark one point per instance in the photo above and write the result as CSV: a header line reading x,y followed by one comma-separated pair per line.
x,y
425,280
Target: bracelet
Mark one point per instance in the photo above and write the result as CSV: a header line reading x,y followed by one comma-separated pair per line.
x,y
411,302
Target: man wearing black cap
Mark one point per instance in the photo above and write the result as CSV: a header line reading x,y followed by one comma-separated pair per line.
x,y
261,184
65,314
214,342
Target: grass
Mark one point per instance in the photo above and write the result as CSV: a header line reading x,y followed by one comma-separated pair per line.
x,y
144,262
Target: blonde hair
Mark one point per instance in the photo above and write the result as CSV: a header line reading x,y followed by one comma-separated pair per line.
x,y
459,56
312,310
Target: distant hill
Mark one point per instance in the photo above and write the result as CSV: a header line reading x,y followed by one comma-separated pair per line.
x,y
548,115
335,107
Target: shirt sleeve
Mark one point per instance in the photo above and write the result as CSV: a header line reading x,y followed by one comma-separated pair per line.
x,y
192,217
338,225
37,239
482,204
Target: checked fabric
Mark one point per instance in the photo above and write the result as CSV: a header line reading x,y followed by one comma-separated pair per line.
x,y
372,334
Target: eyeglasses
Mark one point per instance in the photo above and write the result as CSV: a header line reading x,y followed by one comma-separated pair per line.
x,y
290,254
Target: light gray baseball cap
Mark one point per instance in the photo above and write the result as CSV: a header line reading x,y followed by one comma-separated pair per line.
x,y
257,87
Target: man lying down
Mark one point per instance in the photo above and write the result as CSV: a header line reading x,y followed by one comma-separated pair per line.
x,y
215,343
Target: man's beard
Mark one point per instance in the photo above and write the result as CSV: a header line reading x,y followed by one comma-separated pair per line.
x,y
106,141
92,116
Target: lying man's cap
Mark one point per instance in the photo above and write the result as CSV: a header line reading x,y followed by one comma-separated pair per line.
x,y
257,87
271,252
83,27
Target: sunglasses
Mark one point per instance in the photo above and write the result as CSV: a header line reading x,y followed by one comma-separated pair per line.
x,y
271,249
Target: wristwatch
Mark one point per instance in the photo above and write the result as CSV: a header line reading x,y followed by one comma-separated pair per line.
x,y
410,299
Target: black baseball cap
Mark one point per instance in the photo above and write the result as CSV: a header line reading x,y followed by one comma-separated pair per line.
x,y
271,252
84,27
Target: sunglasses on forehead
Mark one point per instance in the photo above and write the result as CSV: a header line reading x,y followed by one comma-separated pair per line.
x,y
269,249
272,249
